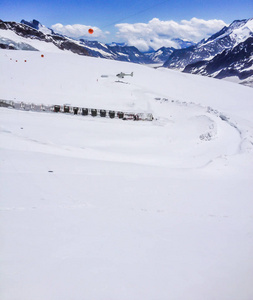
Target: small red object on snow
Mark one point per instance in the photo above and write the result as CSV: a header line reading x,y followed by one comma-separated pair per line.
x,y
90,31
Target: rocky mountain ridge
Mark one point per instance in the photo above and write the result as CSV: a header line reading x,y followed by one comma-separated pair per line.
x,y
235,62
226,54
207,49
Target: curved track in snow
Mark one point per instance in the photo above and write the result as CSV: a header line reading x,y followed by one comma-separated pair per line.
x,y
182,136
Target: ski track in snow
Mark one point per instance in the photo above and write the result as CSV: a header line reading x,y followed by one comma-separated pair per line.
x,y
245,138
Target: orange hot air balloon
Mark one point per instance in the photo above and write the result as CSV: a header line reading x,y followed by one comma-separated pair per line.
x,y
90,31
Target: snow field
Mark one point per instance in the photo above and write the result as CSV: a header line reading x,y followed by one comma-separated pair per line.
x,y
95,208
185,139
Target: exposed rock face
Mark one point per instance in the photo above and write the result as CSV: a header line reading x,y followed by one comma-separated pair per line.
x,y
4,46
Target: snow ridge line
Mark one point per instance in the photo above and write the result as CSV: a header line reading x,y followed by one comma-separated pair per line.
x,y
246,137
68,109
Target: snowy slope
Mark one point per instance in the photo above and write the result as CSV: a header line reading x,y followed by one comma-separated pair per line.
x,y
94,208
35,43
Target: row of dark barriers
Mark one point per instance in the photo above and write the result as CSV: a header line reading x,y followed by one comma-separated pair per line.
x,y
89,111
68,109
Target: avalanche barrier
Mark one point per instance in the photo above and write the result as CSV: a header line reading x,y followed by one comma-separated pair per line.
x,y
68,109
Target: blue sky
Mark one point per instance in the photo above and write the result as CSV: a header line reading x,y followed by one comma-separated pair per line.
x,y
104,17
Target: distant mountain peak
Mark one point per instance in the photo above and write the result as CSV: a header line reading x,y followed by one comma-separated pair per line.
x,y
183,43
238,31
113,44
34,23
38,26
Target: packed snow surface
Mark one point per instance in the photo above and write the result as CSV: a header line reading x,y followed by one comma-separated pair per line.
x,y
106,209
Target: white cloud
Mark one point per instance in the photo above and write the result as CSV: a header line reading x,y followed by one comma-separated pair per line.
x,y
157,33
78,31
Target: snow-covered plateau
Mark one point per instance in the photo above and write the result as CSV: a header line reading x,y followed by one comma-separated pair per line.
x,y
104,209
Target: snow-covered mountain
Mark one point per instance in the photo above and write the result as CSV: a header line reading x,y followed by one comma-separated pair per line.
x,y
235,63
116,52
21,36
26,35
226,54
183,43
160,55
34,30
198,59
227,38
